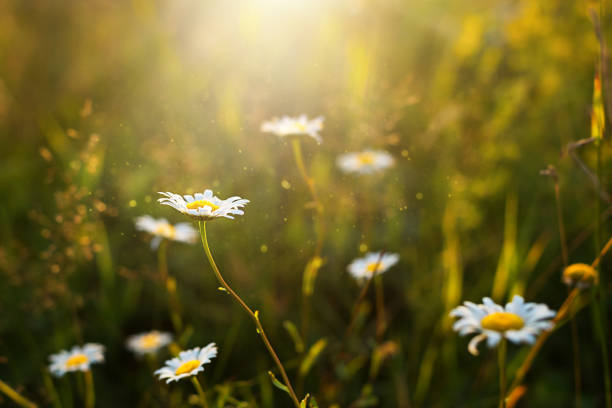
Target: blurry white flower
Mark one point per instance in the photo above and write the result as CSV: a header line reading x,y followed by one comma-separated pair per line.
x,y
364,268
204,206
365,162
148,343
187,363
161,228
77,359
300,125
518,322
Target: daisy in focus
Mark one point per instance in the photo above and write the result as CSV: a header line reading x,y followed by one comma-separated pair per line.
x,y
79,358
205,206
365,162
518,322
187,363
364,268
148,343
300,125
161,228
580,275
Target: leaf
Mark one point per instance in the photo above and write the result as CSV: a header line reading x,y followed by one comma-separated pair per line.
x,y
312,403
295,335
277,383
304,401
312,355
597,114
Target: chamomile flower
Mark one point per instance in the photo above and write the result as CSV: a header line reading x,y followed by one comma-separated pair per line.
x,y
148,343
364,268
580,275
187,363
365,162
518,322
79,358
205,206
161,228
300,125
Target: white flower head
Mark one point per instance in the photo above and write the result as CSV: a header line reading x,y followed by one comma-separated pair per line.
x,y
364,268
518,322
79,358
300,125
365,162
205,206
148,343
187,363
161,228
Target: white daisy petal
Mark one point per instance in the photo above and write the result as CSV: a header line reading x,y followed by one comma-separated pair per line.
x,y
79,358
363,268
519,322
187,364
365,162
286,126
204,206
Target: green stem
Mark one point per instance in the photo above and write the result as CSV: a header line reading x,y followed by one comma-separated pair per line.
x,y
200,390
15,396
299,160
90,394
501,359
170,285
380,307
254,316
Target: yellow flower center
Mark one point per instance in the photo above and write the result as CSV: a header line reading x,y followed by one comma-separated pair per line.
x,y
149,341
76,360
165,230
365,158
300,127
202,203
373,267
187,367
502,321
580,272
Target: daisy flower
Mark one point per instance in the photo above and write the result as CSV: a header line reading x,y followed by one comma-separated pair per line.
x,y
518,322
205,206
161,228
148,343
300,125
365,162
78,358
187,363
364,268
580,275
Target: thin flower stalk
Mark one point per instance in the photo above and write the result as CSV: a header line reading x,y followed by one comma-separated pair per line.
x,y
170,285
501,360
15,396
363,293
200,390
90,394
381,319
254,315
320,226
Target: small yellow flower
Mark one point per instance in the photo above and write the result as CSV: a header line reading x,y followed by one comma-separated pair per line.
x,y
580,275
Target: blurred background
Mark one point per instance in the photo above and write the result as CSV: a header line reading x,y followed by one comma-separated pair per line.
x,y
103,103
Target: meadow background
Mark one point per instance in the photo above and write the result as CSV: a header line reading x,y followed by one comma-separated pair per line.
x,y
102,104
